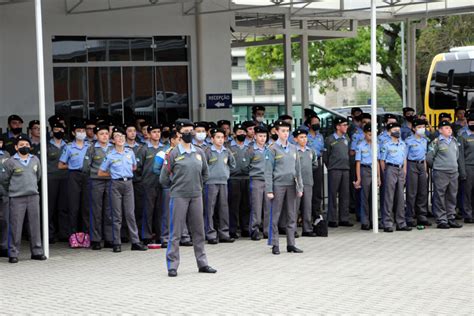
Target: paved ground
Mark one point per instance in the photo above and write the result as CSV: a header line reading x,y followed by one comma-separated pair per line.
x,y
351,272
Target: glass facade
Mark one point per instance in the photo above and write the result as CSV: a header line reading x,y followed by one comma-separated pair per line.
x,y
121,77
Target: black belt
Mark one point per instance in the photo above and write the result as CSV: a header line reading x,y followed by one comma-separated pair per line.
x,y
123,179
416,161
366,166
394,165
74,170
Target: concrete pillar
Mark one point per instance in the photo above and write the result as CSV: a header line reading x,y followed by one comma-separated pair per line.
x,y
287,70
411,65
304,67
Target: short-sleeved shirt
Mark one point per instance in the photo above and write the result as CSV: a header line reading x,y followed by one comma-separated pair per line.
x,y
417,148
120,165
73,155
364,153
394,152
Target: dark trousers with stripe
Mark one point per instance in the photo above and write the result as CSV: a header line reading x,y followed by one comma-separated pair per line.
x,y
21,207
365,194
165,218
445,188
58,208
77,188
98,210
317,198
338,187
184,210
259,204
394,182
468,193
303,204
4,214
416,192
287,194
149,210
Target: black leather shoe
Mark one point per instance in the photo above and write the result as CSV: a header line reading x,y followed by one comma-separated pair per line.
x,y
388,230
424,223
256,236
164,245
245,233
188,243
346,224
469,221
308,234
38,257
4,253
52,241
172,273
365,227
453,224
411,224
404,229
124,240
282,231
297,235
146,241
139,247
293,249
265,236
332,224
227,240
234,235
275,250
443,226
108,244
96,245
117,248
13,260
458,216
212,242
207,269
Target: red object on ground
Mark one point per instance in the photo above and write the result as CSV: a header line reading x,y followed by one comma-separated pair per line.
x,y
154,246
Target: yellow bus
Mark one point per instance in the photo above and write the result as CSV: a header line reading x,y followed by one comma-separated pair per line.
x,y
450,83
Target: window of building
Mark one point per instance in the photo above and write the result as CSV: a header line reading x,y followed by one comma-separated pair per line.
x,y
344,82
354,82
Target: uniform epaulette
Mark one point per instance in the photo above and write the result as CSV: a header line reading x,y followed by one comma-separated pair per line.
x,y
169,150
271,145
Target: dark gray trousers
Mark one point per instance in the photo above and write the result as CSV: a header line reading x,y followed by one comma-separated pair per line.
x,y
165,218
445,188
303,204
149,211
19,208
98,209
318,176
58,208
182,210
122,204
338,187
259,204
394,182
216,196
365,194
280,192
4,214
77,188
468,194
238,205
416,192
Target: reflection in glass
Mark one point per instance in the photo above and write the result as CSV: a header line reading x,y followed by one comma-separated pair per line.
x,y
141,49
69,49
105,92
108,49
170,48
171,93
70,91
138,87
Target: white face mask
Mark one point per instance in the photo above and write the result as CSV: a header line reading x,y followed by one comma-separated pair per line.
x,y
259,119
421,131
81,136
201,136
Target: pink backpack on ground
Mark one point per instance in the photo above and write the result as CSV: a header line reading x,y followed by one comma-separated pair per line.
x,y
79,240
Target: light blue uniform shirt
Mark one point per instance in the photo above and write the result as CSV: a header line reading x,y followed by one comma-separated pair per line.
x,y
364,153
394,153
120,165
73,156
24,162
316,143
417,148
405,131
285,148
446,140
356,138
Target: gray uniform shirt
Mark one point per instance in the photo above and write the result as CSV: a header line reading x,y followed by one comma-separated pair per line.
x,y
95,157
282,167
3,173
241,161
22,178
309,162
336,155
219,164
184,172
443,155
256,162
145,160
467,148
53,154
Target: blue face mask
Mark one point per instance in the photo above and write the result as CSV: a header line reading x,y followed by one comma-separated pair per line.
x,y
395,134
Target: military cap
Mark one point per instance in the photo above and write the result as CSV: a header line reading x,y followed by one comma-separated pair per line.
x,y
418,122
281,123
214,131
183,123
239,126
14,117
356,109
444,115
339,120
57,125
248,124
408,109
260,130
285,117
22,137
223,122
299,131
367,128
388,116
444,123
256,108
366,116
391,125
211,125
202,124
153,126
100,128
33,123
117,129
78,124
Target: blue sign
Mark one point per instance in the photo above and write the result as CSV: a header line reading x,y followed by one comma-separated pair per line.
x,y
219,101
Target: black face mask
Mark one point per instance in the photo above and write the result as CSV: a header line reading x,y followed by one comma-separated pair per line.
x,y
316,127
241,137
409,118
165,134
274,137
58,135
24,150
395,134
16,131
471,127
187,138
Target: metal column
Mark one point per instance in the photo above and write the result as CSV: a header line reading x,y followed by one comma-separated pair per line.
x,y
411,63
304,56
287,70
42,117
